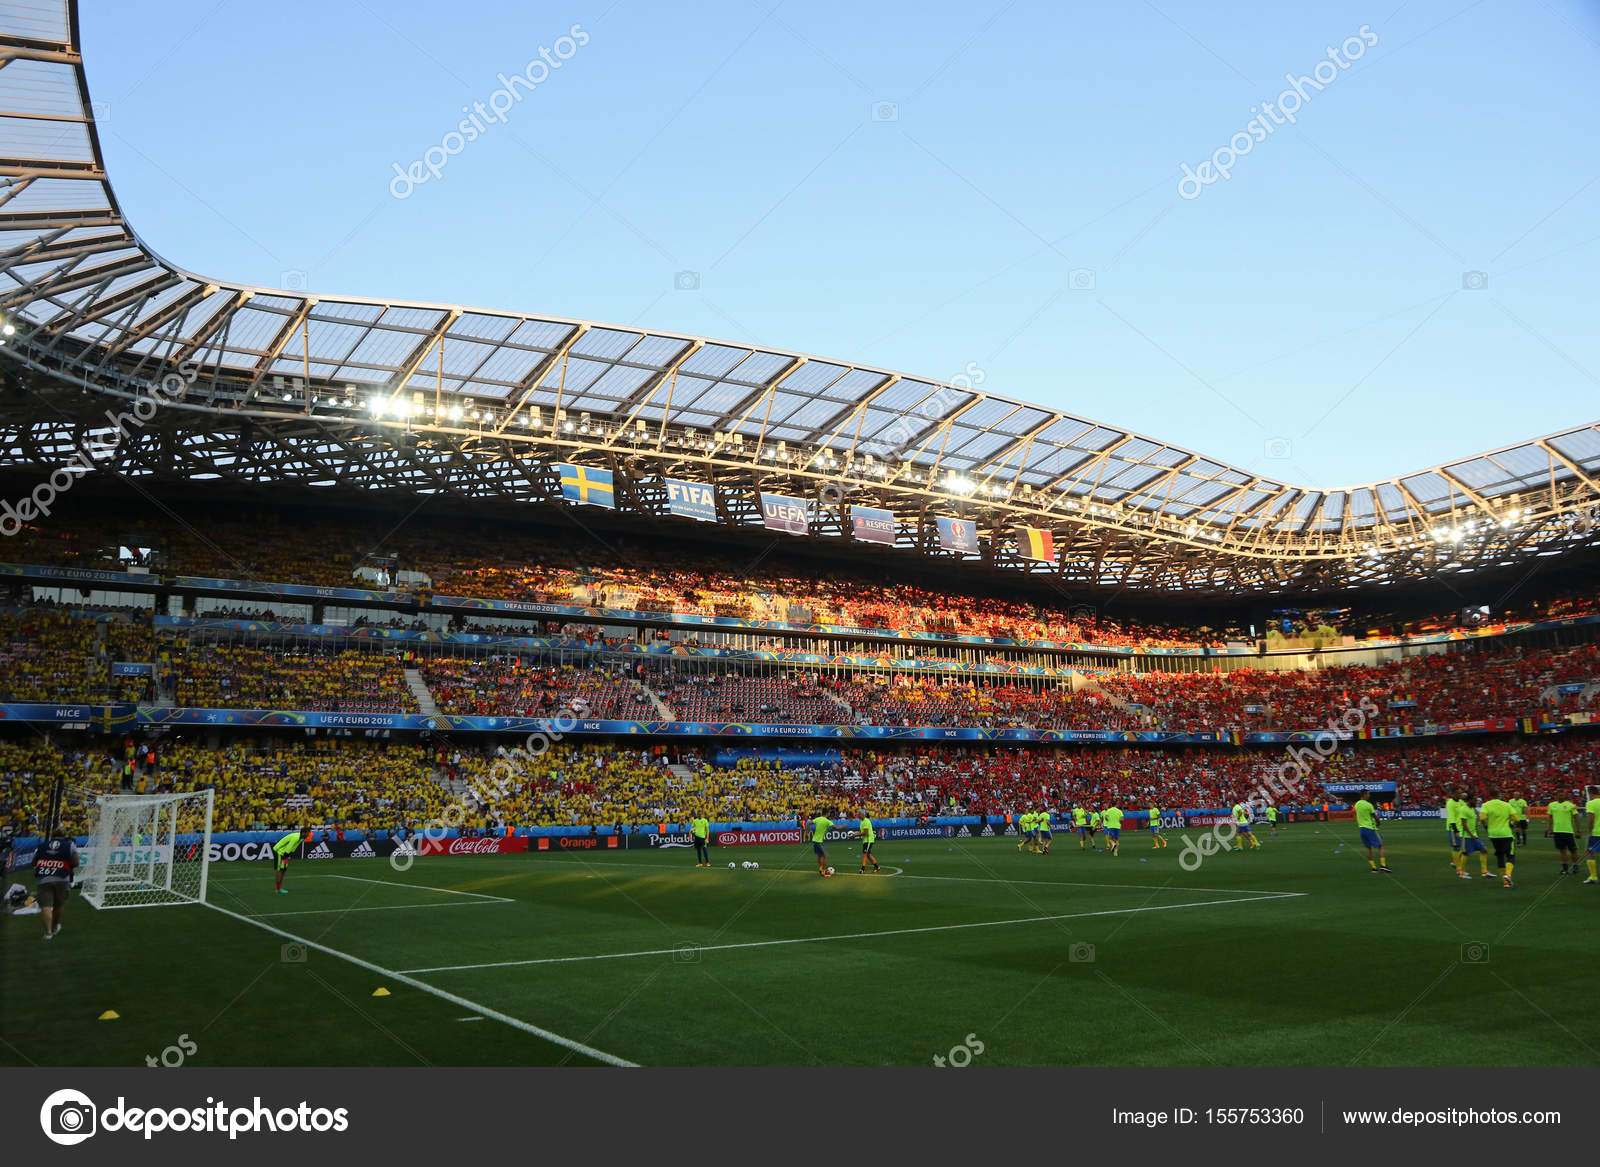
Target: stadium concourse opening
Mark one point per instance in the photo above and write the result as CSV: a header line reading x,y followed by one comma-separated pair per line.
x,y
563,693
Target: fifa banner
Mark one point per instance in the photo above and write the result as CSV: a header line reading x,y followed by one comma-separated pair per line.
x,y
872,525
587,484
788,515
1032,543
692,500
958,535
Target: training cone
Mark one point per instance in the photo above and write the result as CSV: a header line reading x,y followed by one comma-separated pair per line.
x,y
380,992
110,1015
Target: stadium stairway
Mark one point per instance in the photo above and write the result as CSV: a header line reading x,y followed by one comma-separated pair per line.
x,y
1090,685
848,717
654,698
419,689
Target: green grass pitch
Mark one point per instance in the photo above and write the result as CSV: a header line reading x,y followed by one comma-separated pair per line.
x,y
1292,954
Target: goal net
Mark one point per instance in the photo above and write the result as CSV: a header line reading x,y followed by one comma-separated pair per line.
x,y
147,851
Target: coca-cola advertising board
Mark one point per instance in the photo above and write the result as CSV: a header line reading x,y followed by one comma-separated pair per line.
x,y
493,846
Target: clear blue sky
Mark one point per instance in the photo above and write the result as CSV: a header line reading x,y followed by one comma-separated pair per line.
x,y
927,185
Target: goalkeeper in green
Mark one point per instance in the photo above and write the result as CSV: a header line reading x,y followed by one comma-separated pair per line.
x,y
283,848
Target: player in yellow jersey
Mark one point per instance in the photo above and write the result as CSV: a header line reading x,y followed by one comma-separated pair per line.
x,y
1157,839
1563,831
1112,817
1471,844
1592,809
1500,818
1371,839
1452,830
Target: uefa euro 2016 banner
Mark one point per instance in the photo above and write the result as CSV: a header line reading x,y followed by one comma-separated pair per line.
x,y
872,525
958,535
692,500
781,513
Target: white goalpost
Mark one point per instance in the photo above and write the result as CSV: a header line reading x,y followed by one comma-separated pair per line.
x,y
147,850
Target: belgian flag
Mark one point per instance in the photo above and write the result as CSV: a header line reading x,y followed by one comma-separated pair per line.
x,y
1033,543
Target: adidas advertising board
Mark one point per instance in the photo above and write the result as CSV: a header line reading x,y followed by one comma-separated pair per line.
x,y
325,849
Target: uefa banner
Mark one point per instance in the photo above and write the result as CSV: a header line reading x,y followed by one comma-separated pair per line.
x,y
691,500
872,525
781,513
958,535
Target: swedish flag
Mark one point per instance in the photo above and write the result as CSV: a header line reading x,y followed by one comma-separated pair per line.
x,y
587,484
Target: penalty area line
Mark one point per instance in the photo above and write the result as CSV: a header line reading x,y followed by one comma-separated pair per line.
x,y
848,935
566,1043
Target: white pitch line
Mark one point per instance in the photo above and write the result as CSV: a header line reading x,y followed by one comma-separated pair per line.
x,y
849,935
419,887
566,1043
812,871
380,908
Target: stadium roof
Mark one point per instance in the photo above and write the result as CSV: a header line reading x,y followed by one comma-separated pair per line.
x,y
282,386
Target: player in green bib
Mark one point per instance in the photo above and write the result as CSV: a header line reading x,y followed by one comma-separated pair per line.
x,y
1520,823
1371,839
1592,809
820,825
1500,817
1272,817
1025,830
1044,832
1471,844
1112,817
1157,839
1080,824
1242,833
868,837
1094,825
700,830
285,847
1562,813
1452,829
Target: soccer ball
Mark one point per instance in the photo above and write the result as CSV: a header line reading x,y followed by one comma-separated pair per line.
x,y
755,867
745,865
730,867
830,871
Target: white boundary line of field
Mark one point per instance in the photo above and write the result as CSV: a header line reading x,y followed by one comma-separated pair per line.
x,y
812,872
378,908
421,887
698,948
473,898
566,1043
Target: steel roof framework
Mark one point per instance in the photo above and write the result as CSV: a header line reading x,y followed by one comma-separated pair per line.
x,y
395,396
